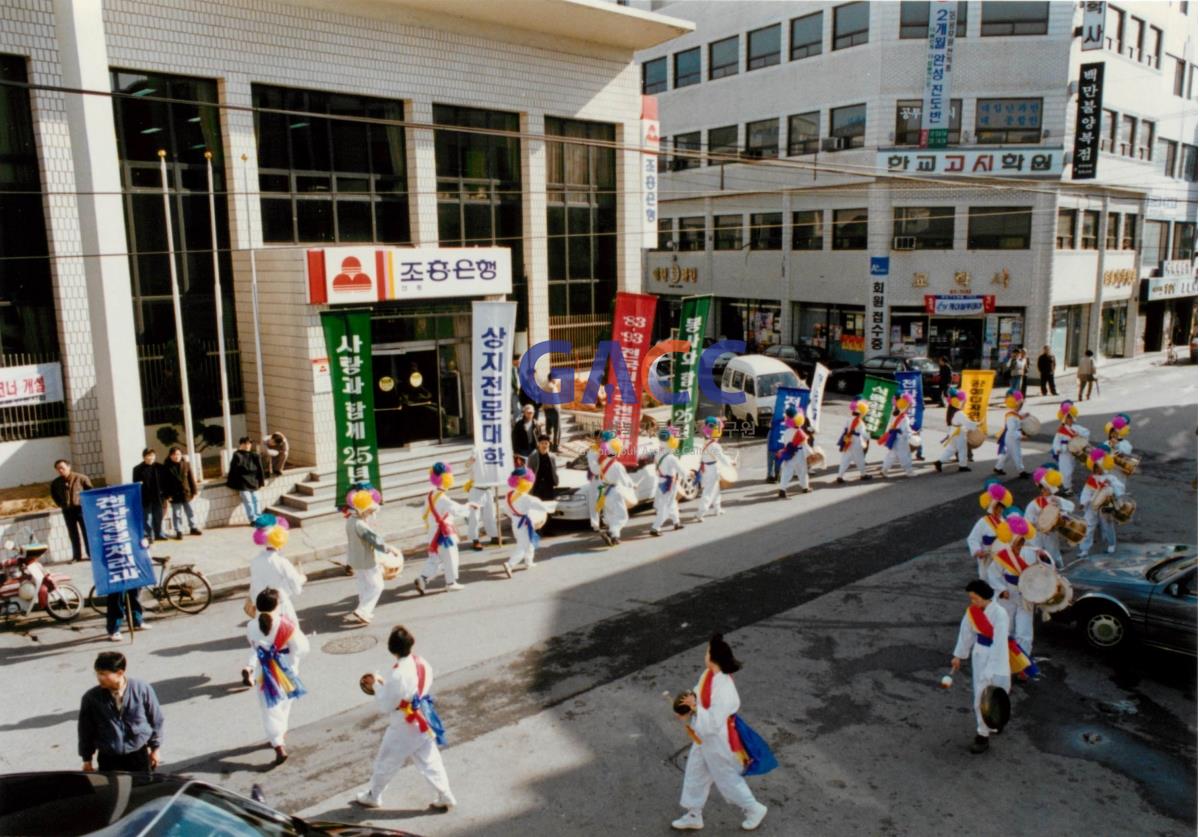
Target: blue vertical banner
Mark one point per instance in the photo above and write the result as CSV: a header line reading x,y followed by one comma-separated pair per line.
x,y
784,398
115,524
912,386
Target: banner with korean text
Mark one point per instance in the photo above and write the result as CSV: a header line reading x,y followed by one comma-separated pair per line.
x,y
785,397
693,325
939,61
39,383
820,377
649,161
115,525
879,393
492,330
633,319
348,344
1087,121
977,385
912,386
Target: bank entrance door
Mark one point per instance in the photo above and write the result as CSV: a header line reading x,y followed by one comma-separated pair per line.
x,y
419,393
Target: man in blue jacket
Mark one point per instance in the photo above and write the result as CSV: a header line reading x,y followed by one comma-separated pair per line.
x,y
119,719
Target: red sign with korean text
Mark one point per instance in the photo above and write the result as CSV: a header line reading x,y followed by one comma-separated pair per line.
x,y
633,320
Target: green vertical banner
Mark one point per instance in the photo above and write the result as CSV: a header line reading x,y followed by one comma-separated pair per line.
x,y
348,342
881,395
693,325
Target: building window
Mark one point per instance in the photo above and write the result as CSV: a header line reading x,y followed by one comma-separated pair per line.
x,y
999,227
1129,232
1191,81
1089,230
804,133
914,19
1180,82
1108,131
1168,152
766,231
654,76
1154,48
666,233
722,144
691,233
1187,165
1137,34
1127,135
849,123
687,67
1154,242
1008,121
727,232
1114,29
1014,18
1112,232
807,34
929,227
1145,140
851,25
908,122
723,58
808,229
1064,237
689,144
850,229
1184,247
762,139
762,47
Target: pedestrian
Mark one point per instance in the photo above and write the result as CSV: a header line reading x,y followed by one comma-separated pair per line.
x,y
275,454
896,439
439,516
525,432
1017,367
246,477
520,505
362,542
1048,480
550,414
851,442
954,444
1008,440
545,473
524,399
983,537
414,729
1047,363
1085,375
270,569
64,491
482,500
592,491
945,380
712,457
120,720
1100,482
615,488
149,473
121,606
277,644
983,636
793,457
712,759
1060,446
670,475
1012,558
179,488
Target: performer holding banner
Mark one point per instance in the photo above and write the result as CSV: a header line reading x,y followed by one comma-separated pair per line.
x,y
983,636
895,439
785,397
522,508
1070,441
712,459
670,475
853,441
1009,437
793,456
440,513
482,499
278,645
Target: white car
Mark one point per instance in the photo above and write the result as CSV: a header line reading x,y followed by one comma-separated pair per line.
x,y
758,378
571,496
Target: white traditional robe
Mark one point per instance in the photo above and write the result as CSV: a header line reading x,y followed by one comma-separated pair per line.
x,y
669,471
1094,519
1012,442
1020,614
275,718
616,485
853,436
1051,542
483,517
899,453
710,479
270,568
989,663
1065,459
795,468
443,558
713,761
983,536
517,507
591,490
956,440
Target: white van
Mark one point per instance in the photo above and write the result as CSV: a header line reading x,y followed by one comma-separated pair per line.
x,y
759,377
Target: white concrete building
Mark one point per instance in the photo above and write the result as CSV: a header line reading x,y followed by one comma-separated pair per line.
x,y
796,129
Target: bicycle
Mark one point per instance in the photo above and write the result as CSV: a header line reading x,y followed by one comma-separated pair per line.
x,y
185,589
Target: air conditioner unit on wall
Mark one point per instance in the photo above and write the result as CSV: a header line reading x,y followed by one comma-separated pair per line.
x,y
904,242
833,143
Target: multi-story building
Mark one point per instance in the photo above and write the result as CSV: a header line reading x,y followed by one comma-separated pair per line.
x,y
795,171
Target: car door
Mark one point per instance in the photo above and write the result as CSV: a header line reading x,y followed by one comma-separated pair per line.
x,y
1171,613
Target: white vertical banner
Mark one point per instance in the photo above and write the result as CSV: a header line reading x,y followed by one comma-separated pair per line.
x,y
492,330
820,377
1094,13
935,109
649,172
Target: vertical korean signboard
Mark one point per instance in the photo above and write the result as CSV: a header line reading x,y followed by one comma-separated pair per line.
x,y
114,522
693,325
1094,12
1087,121
633,319
649,162
935,112
492,325
912,385
977,384
785,397
348,343
877,331
879,393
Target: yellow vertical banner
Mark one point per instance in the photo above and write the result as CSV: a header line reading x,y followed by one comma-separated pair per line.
x,y
977,385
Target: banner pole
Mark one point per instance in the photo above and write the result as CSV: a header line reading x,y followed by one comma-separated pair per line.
x,y
129,614
184,388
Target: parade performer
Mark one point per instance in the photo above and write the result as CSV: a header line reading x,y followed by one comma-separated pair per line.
x,y
414,729
982,540
278,644
1004,572
1068,429
362,542
955,442
518,504
1102,462
1049,480
591,491
1009,437
983,634
853,440
270,568
483,499
615,486
711,456
1117,431
896,439
793,456
669,475
718,754
439,516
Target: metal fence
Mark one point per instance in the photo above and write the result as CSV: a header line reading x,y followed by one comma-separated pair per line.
x,y
32,421
584,331
158,370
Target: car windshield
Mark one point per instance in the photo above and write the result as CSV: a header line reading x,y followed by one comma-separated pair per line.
x,y
769,384
1172,566
923,364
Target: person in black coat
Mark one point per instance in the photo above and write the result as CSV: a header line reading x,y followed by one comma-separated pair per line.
x,y
545,472
149,474
246,477
525,433
945,380
1046,365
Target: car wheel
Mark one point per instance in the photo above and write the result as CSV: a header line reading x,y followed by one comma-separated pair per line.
x,y
1105,627
689,489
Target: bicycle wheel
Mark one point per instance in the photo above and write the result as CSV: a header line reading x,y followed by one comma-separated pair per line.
x,y
64,603
97,603
187,590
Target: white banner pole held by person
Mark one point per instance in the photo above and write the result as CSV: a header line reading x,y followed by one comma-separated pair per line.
x,y
820,377
492,327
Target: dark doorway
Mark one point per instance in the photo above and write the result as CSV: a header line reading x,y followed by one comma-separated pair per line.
x,y
407,406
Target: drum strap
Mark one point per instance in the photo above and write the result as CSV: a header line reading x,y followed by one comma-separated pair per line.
x,y
1018,660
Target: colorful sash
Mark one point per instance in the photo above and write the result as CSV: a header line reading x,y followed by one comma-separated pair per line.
x,y
1018,661
1011,563
893,432
443,534
420,710
278,682
522,520
1064,431
847,434
604,488
704,463
664,483
1002,436
988,540
747,745
789,450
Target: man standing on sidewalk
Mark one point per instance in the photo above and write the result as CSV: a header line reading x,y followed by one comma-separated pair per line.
x,y
149,474
246,477
1046,364
120,719
1086,375
65,490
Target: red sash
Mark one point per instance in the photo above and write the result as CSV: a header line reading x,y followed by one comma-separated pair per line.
x,y
799,438
1018,661
1042,502
443,528
1065,430
413,715
706,687
612,460
284,634
1012,563
1096,483
706,681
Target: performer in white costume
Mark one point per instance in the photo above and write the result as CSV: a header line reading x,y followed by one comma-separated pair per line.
x,y
1048,479
1068,429
983,636
852,442
1097,519
1009,437
484,498
1008,562
954,445
363,544
711,456
615,488
896,439
519,504
277,644
793,457
981,541
439,516
669,476
270,568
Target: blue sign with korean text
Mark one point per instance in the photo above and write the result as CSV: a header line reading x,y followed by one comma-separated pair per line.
x,y
912,386
115,524
879,265
784,398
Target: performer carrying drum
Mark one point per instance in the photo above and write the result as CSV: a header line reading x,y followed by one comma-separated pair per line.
x,y
982,539
1045,511
1097,495
1069,440
1004,574
528,514
1126,463
955,443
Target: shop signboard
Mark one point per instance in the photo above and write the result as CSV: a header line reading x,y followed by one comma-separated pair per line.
x,y
348,343
877,308
1087,121
633,320
363,275
1168,287
1092,36
1020,161
784,397
650,148
38,383
115,524
935,113
493,325
977,384
959,305
693,325
879,393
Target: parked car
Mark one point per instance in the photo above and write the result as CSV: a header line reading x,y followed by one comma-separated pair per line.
x,y
760,378
571,499
66,803
803,359
884,366
1143,592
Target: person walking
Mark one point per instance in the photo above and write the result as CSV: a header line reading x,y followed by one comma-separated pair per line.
x,y
520,506
1085,374
983,639
482,502
945,380
1047,363
525,433
362,542
179,487
119,607
270,569
545,472
246,477
120,720
439,516
550,416
149,473
277,644
64,491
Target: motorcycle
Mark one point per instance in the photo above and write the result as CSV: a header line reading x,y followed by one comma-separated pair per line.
x,y
25,584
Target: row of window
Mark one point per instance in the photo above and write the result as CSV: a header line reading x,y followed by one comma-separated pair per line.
x,y
1129,136
1081,230
1156,237
851,27
1129,35
1183,84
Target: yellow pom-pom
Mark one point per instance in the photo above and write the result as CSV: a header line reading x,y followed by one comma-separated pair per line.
x,y
1053,478
447,480
362,500
1004,533
277,538
985,501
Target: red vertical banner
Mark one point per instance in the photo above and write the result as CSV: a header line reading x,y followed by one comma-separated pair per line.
x,y
633,320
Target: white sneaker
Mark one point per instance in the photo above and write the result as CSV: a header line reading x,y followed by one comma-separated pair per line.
x,y
691,821
508,569
419,583
1111,550
115,637
365,799
444,802
754,816
456,587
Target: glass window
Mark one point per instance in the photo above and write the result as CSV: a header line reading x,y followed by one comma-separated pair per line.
x,y
1136,35
762,138
687,67
1180,82
1154,241
722,144
1001,121
914,19
1145,140
727,232
849,123
1187,163
851,25
1089,230
1185,241
908,122
999,227
1064,238
1168,152
766,231
723,58
850,229
1128,133
666,233
804,133
808,230
1114,29
762,47
1014,17
1154,48
654,76
1112,232
1129,233
807,34
691,233
1108,131
930,227
690,144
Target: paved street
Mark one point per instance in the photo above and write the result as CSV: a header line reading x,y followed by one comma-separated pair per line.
x,y
844,605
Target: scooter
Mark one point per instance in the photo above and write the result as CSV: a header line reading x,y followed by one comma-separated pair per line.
x,y
26,585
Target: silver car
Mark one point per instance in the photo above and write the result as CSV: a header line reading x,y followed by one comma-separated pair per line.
x,y
571,496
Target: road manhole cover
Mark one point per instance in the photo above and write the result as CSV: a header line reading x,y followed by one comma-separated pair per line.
x,y
350,644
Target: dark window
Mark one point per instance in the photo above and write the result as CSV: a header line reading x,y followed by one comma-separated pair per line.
x,y
1180,82
1112,232
727,232
1168,152
722,144
1089,230
1064,238
723,58
689,144
850,229
1184,247
1014,17
1154,48
849,123
807,34
654,76
691,233
999,227
1114,29
1129,233
666,233
1128,134
1154,241
808,230
929,227
914,19
908,122
1187,163
1137,36
762,139
766,231
851,25
1145,140
687,67
1001,121
1108,131
804,133
762,47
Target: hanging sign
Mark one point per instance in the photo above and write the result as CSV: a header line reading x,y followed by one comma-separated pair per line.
x,y
348,343
492,327
633,320
115,524
1087,121
935,113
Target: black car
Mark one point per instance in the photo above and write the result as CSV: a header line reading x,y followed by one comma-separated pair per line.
x,y
803,359
66,803
883,367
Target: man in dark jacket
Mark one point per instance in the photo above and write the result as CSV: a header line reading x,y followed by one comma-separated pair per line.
x,y
945,380
64,491
179,487
246,477
1046,364
525,433
545,472
149,474
120,719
